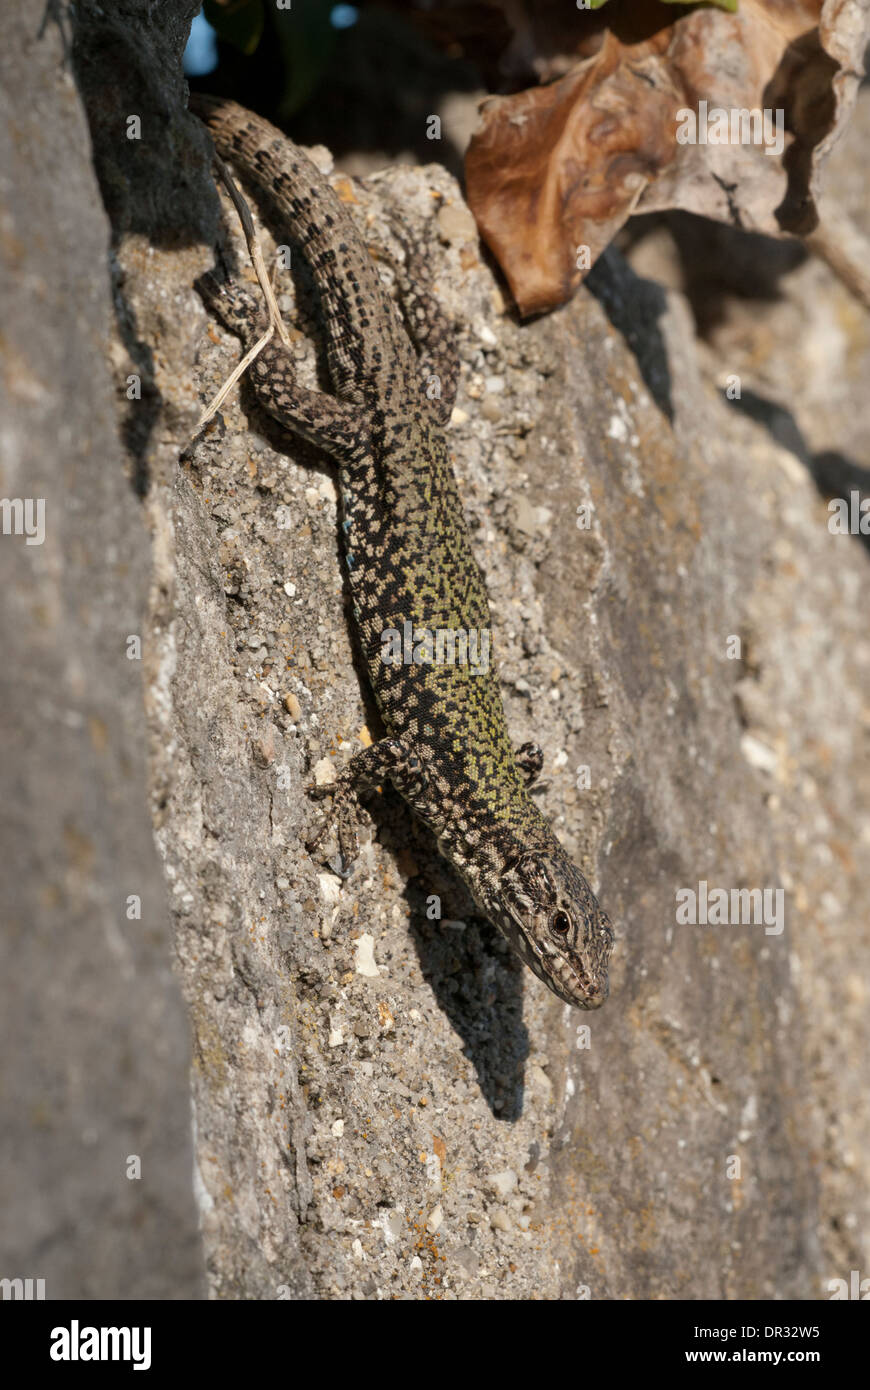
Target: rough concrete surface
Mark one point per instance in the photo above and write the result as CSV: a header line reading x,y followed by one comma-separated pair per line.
x,y
385,1103
94,1042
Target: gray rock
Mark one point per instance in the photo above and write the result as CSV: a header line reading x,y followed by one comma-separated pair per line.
x,y
96,1163
504,1183
465,1262
697,1136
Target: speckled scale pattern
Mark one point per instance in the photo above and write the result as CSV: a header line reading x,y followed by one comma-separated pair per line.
x,y
406,541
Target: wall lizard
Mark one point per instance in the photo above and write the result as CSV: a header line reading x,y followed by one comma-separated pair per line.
x,y
408,553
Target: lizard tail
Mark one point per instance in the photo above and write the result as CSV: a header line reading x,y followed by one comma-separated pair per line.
x,y
348,284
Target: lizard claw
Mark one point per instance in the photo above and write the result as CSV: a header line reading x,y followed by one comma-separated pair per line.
x,y
338,866
343,817
318,792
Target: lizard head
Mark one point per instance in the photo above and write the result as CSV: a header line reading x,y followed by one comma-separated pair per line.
x,y
553,921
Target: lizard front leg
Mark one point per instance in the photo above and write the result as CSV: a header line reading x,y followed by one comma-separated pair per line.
x,y
530,760
390,759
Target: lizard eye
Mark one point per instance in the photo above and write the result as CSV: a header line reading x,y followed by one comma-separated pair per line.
x,y
560,924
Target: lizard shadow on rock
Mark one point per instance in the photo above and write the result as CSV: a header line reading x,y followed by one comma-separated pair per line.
x,y
481,992
478,983
634,306
475,978
833,473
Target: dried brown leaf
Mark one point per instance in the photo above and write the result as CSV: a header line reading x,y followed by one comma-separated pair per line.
x,y
558,168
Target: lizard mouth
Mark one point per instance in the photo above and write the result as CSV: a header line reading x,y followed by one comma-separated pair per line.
x,y
572,985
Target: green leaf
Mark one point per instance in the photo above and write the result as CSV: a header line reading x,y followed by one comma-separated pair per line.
x,y
240,22
306,37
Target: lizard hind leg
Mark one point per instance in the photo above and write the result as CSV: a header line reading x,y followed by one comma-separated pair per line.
x,y
332,425
437,364
236,308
